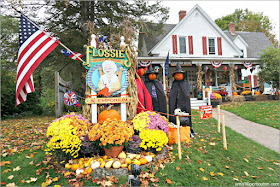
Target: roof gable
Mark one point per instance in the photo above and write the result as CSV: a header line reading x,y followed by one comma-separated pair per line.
x,y
210,22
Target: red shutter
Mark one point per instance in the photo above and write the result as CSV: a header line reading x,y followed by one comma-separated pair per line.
x,y
219,43
255,81
174,42
249,77
190,45
204,45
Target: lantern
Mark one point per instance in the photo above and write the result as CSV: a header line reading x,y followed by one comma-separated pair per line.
x,y
225,68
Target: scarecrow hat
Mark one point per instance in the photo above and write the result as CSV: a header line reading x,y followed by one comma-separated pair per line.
x,y
178,69
151,70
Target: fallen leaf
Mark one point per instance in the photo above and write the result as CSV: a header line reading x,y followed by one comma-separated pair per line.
x,y
201,169
270,168
168,181
162,166
199,161
178,168
227,167
11,184
220,174
254,177
235,179
67,173
152,175
33,179
6,170
3,163
22,181
260,168
108,183
202,140
212,143
11,177
212,173
17,168
3,183
246,173
204,178
55,179
246,160
31,163
8,162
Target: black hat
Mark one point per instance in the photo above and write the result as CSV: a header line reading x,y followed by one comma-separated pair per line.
x,y
178,69
151,70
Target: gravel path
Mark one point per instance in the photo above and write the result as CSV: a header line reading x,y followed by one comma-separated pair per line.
x,y
262,134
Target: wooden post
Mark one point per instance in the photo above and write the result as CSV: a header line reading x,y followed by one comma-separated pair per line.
x,y
93,109
224,132
123,107
219,119
179,137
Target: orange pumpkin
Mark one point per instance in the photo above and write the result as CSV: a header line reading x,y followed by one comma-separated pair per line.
x,y
127,161
257,93
143,161
234,93
141,72
88,170
152,76
74,167
109,113
178,76
171,139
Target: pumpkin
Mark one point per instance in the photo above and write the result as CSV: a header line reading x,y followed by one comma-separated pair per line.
x,y
79,171
143,161
117,164
67,166
149,158
74,167
152,76
178,76
137,162
234,93
257,93
171,139
127,161
109,113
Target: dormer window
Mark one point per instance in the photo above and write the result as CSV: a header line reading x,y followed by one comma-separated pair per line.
x,y
242,54
182,43
211,46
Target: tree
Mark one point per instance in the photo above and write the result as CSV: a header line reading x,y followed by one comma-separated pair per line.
x,y
270,60
246,20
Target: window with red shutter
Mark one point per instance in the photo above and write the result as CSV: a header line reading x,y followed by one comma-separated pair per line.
x,y
190,45
219,44
174,42
204,45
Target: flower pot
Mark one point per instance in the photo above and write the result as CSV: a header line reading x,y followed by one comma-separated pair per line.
x,y
248,97
215,102
224,98
114,151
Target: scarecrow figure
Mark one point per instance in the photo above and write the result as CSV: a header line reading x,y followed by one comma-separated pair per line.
x,y
145,100
156,91
179,99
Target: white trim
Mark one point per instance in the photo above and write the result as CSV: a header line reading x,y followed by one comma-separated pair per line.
x,y
212,23
241,39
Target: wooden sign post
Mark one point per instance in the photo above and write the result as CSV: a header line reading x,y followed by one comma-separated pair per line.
x,y
224,132
219,118
179,137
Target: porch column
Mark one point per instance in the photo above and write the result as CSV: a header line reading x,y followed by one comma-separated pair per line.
x,y
163,76
216,80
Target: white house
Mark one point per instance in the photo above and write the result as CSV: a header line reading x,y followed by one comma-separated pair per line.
x,y
197,40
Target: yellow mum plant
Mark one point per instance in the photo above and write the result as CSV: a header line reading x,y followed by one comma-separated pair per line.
x,y
153,139
112,132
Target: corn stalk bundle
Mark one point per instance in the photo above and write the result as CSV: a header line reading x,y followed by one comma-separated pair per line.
x,y
232,77
261,81
199,77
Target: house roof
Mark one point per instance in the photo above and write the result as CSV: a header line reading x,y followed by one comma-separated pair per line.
x,y
257,41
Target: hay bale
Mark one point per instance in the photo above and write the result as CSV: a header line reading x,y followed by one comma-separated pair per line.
x,y
236,99
259,97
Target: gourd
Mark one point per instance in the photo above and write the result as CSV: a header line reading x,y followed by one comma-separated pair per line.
x,y
102,164
67,166
79,171
149,158
95,165
137,162
131,156
123,165
74,167
137,156
88,162
109,113
109,164
122,155
152,76
143,161
127,161
178,76
117,164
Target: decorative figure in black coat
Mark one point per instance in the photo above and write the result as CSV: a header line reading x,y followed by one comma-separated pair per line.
x,y
156,91
179,98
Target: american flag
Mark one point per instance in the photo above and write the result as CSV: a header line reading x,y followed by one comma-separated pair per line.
x,y
34,45
70,55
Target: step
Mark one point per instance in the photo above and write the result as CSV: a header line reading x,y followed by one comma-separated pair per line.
x,y
199,104
193,99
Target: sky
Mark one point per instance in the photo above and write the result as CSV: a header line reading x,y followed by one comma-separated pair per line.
x,y
217,9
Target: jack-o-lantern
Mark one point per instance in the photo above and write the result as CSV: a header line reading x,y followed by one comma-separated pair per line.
x,y
178,76
152,76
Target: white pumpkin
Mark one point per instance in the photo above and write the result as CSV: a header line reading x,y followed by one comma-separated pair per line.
x,y
149,158
117,164
95,165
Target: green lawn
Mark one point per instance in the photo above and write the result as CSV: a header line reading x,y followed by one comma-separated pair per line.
x,y
202,164
262,112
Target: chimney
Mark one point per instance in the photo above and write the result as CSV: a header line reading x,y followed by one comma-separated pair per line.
x,y
182,14
231,28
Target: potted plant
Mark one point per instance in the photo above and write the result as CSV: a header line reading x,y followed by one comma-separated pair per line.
x,y
215,99
223,94
112,135
247,95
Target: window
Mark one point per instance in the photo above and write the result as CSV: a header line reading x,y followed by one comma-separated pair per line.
x,y
182,43
242,54
211,45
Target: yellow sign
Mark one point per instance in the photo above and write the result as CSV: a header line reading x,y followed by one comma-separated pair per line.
x,y
107,100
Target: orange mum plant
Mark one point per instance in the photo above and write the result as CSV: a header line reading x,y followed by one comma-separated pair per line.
x,y
112,132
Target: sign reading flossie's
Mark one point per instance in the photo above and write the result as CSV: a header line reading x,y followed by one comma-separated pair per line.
x,y
108,70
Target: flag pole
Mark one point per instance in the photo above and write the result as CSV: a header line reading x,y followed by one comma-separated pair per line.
x,y
84,63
